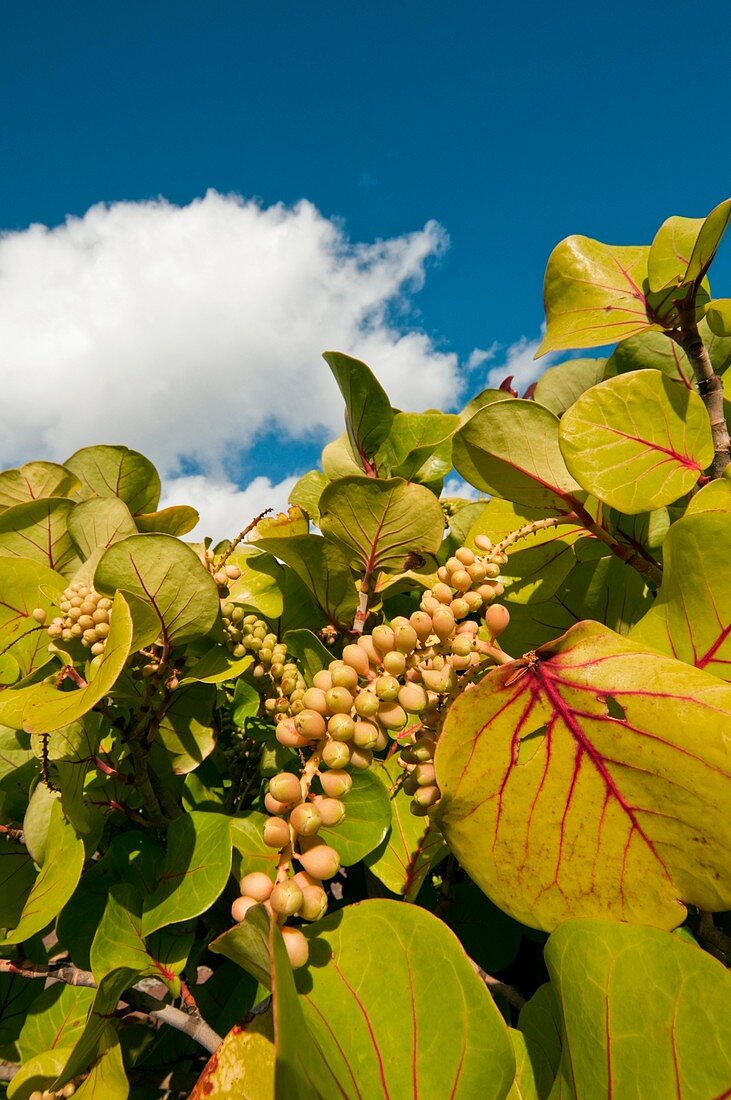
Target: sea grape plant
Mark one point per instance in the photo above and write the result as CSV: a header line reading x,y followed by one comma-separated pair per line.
x,y
395,794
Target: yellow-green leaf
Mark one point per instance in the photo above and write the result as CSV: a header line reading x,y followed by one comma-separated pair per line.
x,y
35,480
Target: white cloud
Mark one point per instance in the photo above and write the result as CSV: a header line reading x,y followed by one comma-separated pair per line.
x,y
479,356
458,487
225,509
520,362
189,330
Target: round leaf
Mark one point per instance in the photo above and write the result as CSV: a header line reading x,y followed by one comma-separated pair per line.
x,y
638,441
39,531
260,583
35,480
24,586
559,386
178,520
366,822
166,575
99,522
116,472
590,780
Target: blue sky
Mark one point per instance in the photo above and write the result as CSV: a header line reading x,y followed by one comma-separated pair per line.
x,y
511,126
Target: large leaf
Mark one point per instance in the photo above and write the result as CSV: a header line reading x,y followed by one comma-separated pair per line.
x,y
178,520
637,441
243,1066
510,449
591,779
56,881
91,1042
594,294
260,583
99,522
55,1019
39,531
118,940
714,497
196,869
323,566
24,586
17,876
117,472
368,412
691,618
307,492
411,846
413,440
366,822
168,576
650,350
382,523
42,708
559,386
684,248
644,1013
370,1056
35,480
186,728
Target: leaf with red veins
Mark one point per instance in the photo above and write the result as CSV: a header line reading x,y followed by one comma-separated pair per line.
x,y
592,780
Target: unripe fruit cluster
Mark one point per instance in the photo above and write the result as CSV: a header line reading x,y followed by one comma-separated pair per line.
x,y
224,574
86,618
48,1094
467,581
279,677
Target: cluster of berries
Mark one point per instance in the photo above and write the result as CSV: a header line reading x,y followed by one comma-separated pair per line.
x,y
86,617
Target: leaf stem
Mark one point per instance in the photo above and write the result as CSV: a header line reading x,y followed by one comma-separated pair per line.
x,y
532,528
710,386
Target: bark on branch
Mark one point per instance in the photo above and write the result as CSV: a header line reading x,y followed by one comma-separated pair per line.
x,y
710,386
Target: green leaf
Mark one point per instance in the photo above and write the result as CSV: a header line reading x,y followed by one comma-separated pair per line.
x,y
324,569
260,583
42,708
540,1025
559,386
39,531
216,666
17,875
650,350
37,1074
382,523
485,397
366,822
538,564
195,871
638,441
55,1019
243,1066
691,617
247,944
91,1041
307,492
338,460
488,935
107,1080
309,651
56,881
510,449
186,728
471,1057
670,252
24,586
178,519
413,440
533,1078
597,778
642,1013
368,412
168,576
35,480
246,702
714,497
117,472
250,851
594,294
97,523
718,315
17,995
411,846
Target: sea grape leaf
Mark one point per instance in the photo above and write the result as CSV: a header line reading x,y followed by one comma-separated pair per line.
x,y
638,441
195,870
216,666
24,586
250,851
641,1011
323,567
178,519
35,480
490,937
186,728
540,1025
480,400
533,1077
56,881
55,1019
413,439
338,460
366,822
37,1074
90,1042
718,316
538,564
247,945
382,523
98,522
350,951
42,708
107,1079
714,497
283,525
411,846
511,450
307,492
17,875
243,1066
650,350
598,773
168,576
691,617
594,294
368,412
260,583
39,531
17,995
309,651
671,250
559,386
116,472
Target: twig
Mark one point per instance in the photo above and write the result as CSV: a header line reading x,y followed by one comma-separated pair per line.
x,y
190,1023
498,988
239,538
532,528
8,1071
364,595
710,386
